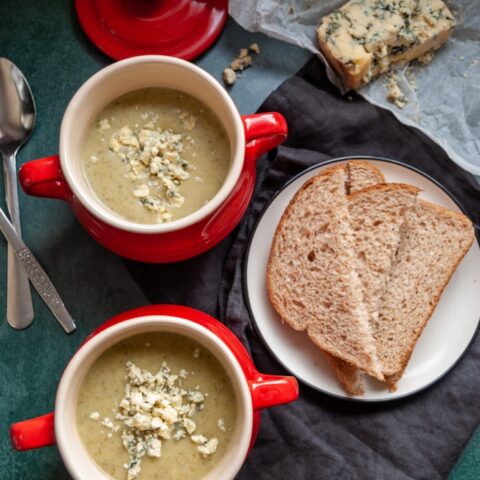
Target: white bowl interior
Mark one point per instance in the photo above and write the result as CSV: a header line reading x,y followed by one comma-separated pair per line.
x,y
75,456
127,76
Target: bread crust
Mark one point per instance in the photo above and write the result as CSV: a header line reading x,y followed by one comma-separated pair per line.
x,y
368,166
285,216
347,375
385,187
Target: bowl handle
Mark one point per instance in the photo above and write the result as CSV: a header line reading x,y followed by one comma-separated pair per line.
x,y
263,131
34,433
271,390
44,178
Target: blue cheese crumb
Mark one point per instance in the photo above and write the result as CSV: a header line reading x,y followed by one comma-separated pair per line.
x,y
221,424
394,93
156,408
209,447
104,124
155,156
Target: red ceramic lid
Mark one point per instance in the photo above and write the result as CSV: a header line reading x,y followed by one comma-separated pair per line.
x,y
126,28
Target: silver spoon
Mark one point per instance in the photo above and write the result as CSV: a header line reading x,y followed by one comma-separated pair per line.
x,y
17,119
37,275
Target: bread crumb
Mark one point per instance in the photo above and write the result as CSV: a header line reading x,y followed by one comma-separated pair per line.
x,y
229,76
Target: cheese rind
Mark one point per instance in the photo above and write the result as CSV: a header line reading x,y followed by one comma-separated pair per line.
x,y
364,38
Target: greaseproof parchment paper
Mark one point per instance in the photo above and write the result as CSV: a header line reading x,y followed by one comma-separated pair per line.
x,y
445,104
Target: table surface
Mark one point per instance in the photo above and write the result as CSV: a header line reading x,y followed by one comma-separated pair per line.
x,y
46,42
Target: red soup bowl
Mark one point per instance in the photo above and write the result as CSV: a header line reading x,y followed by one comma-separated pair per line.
x,y
253,390
61,176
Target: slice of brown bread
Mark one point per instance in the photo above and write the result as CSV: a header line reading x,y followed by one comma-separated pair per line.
x,y
311,277
433,243
377,214
361,174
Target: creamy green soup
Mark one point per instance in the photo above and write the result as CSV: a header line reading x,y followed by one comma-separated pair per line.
x,y
156,406
156,155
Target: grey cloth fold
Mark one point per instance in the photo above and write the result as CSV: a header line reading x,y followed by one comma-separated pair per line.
x,y
319,437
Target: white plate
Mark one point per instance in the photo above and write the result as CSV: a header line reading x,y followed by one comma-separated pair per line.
x,y
445,339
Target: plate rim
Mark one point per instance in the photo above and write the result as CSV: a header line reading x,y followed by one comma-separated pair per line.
x,y
346,398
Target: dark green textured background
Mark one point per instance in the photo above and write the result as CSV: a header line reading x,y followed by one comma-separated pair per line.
x,y
45,40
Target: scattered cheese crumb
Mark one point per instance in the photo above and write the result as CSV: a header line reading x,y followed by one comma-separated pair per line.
x,y
254,48
95,416
410,75
229,76
242,61
196,353
394,94
426,58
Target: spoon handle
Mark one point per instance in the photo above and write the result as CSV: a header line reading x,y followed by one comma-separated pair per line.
x,y
19,298
37,275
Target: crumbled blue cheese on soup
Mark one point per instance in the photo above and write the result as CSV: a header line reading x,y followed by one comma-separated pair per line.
x,y
156,408
104,124
221,424
95,416
208,447
156,164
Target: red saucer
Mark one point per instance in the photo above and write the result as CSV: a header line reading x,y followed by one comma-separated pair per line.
x,y
126,28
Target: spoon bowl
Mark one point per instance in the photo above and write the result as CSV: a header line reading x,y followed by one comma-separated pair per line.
x,y
17,107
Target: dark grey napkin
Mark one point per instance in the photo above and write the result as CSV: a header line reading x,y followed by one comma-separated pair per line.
x,y
318,437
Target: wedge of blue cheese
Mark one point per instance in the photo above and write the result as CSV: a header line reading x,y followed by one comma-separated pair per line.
x,y
365,38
